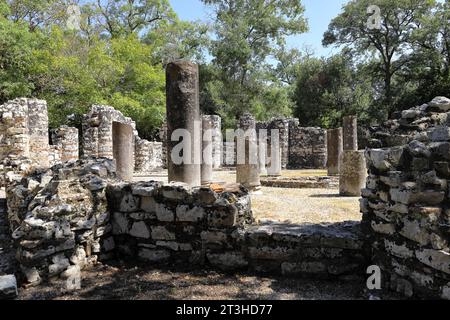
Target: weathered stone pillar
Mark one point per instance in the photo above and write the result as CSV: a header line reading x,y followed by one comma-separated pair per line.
x,y
353,173
350,132
247,164
335,148
217,141
207,146
163,138
123,150
38,126
275,153
183,112
262,157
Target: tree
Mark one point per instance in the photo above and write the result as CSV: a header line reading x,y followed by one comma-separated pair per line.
x,y
37,13
246,34
17,45
427,73
390,44
124,17
328,89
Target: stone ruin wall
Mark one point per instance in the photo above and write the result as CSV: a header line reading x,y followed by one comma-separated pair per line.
x,y
98,140
406,204
24,142
71,216
98,130
148,157
307,148
65,145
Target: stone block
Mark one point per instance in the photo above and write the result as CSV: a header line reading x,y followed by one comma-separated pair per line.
x,y
154,255
161,233
8,287
186,214
140,230
436,259
228,260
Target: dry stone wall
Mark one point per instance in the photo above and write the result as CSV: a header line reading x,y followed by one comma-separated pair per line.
x,y
75,214
176,223
406,215
98,130
307,148
59,218
65,145
148,157
24,140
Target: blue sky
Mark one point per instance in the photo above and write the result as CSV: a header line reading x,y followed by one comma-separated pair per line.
x,y
318,12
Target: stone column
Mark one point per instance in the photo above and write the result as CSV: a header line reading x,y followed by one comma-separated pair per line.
x,y
207,146
123,150
217,141
275,154
283,126
353,173
262,156
183,112
350,132
247,164
335,148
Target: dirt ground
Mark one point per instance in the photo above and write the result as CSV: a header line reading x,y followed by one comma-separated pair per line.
x,y
137,283
294,205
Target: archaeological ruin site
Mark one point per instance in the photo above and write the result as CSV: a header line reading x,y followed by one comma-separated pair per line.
x,y
313,203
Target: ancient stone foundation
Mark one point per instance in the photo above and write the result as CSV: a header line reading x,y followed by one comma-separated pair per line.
x,y
406,201
74,215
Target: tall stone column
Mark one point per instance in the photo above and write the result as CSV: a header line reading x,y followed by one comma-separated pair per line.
x,y
207,150
350,131
217,141
183,112
353,173
275,154
123,150
247,166
262,156
334,151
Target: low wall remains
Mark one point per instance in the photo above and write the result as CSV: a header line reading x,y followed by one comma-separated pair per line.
x,y
73,215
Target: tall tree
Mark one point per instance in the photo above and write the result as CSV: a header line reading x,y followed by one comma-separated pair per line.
x,y
124,17
328,89
390,44
246,34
